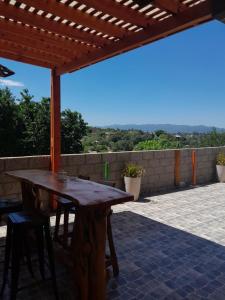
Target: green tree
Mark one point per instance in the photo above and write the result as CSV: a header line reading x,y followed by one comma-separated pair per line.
x,y
25,126
9,144
73,129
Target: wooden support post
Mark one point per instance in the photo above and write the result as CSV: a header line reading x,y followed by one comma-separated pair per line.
x,y
177,168
55,122
193,159
55,139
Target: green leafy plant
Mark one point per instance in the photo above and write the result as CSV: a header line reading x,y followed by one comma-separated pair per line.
x,y
133,170
220,159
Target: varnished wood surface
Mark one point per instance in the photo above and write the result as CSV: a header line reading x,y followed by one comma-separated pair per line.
x,y
92,30
81,192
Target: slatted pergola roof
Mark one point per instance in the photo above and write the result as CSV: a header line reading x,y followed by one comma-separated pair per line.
x,y
67,35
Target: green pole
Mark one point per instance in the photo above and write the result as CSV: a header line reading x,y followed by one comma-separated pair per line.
x,y
106,171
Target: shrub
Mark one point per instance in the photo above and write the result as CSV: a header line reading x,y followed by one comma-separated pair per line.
x,y
220,159
133,170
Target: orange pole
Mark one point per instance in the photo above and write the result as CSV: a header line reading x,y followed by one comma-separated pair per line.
x,y
193,158
55,139
177,168
55,122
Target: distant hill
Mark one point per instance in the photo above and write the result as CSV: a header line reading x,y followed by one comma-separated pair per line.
x,y
166,127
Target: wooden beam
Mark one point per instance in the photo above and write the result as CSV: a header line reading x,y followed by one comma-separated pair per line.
x,y
27,52
185,19
177,168
119,11
26,17
25,59
55,122
169,5
193,159
33,44
77,16
70,48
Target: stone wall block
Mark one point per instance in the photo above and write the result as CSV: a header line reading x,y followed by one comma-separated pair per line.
x,y
16,163
109,157
136,157
148,155
159,154
124,156
93,158
12,188
75,159
2,164
39,162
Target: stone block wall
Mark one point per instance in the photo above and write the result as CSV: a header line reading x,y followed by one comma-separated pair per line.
x,y
159,167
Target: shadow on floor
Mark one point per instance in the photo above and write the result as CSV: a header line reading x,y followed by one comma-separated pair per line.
x,y
156,262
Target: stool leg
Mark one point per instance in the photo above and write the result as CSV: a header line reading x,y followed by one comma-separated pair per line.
x,y
51,257
65,228
17,245
41,254
7,256
57,222
28,255
112,247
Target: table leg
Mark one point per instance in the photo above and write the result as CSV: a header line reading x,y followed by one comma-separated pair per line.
x,y
88,244
28,196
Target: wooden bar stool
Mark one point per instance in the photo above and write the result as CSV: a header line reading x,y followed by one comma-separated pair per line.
x,y
8,206
66,207
19,226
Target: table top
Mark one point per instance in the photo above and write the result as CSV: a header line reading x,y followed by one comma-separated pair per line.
x,y
81,192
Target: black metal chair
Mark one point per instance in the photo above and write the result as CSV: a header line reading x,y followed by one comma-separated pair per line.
x,y
20,225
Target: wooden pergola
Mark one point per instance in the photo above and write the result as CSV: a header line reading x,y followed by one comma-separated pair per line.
x,y
67,35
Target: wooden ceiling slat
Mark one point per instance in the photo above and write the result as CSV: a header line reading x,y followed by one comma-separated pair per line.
x,y
26,17
69,47
47,42
25,59
31,43
24,51
186,19
169,5
117,10
77,16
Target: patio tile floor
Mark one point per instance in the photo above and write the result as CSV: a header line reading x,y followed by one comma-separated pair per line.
x,y
169,246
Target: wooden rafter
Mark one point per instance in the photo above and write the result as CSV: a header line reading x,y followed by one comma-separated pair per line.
x,y
68,35
169,5
76,16
186,19
25,59
69,47
17,14
20,50
117,10
33,44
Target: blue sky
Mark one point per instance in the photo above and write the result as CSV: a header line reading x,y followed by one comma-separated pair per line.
x,y
178,80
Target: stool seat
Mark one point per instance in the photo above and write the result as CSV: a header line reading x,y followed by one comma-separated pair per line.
x,y
28,218
64,201
7,206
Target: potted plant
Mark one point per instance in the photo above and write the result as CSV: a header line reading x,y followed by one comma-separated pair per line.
x,y
220,167
132,178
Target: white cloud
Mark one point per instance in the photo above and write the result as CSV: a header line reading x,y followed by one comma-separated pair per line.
x,y
11,83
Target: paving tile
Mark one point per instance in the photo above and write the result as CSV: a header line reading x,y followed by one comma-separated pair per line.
x,y
169,246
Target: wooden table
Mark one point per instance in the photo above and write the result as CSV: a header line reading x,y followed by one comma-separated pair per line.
x,y
93,202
